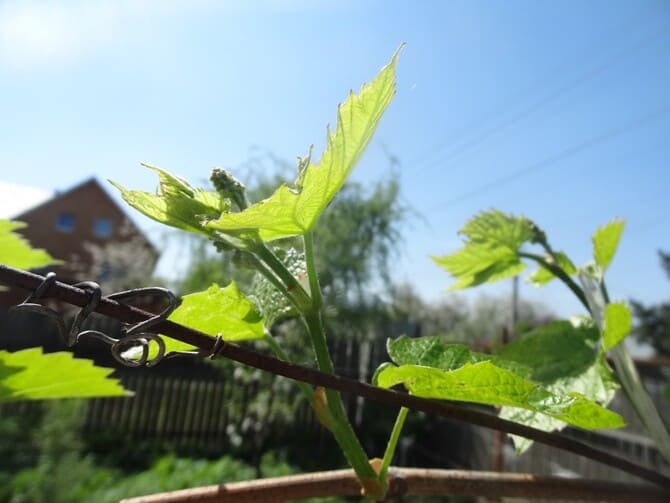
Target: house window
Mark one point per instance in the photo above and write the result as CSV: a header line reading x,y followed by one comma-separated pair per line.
x,y
65,222
102,228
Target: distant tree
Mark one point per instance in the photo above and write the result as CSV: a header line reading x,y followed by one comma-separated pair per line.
x,y
480,321
120,264
653,322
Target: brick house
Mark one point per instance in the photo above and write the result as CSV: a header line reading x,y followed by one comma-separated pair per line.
x,y
87,230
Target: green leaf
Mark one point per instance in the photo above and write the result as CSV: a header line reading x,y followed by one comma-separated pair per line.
x,y
495,228
555,351
552,362
486,383
605,242
543,276
31,375
294,211
272,303
176,203
15,251
224,311
618,324
563,358
491,251
596,383
430,352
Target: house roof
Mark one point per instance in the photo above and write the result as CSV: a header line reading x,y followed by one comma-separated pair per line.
x,y
35,198
16,199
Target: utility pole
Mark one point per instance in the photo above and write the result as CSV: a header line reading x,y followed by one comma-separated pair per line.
x,y
515,305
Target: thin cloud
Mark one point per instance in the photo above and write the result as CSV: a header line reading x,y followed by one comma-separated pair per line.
x,y
47,34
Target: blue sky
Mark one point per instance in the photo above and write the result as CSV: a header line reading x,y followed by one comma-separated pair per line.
x,y
557,110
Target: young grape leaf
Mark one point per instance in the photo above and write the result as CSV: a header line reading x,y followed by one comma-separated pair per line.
x,y
557,359
224,311
491,251
605,242
555,351
543,276
596,383
272,303
431,352
486,383
176,203
31,375
563,358
294,211
618,324
15,251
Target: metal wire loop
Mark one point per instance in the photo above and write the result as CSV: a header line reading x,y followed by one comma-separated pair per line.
x,y
75,329
30,305
218,346
138,337
133,348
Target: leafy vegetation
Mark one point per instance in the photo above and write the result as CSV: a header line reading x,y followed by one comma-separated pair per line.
x,y
494,250
31,375
544,392
554,375
16,251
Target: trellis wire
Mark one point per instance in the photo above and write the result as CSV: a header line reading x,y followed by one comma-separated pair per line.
x,y
218,347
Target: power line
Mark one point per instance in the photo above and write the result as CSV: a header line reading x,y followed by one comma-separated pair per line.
x,y
559,156
589,74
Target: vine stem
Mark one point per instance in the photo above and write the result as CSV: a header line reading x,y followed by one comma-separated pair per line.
x,y
210,345
393,442
628,376
559,273
341,427
291,287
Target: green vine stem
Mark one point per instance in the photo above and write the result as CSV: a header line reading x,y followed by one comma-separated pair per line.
x,y
626,372
558,271
342,429
309,306
292,287
393,442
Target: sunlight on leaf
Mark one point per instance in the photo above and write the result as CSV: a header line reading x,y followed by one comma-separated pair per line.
x,y
489,384
543,276
563,358
176,203
224,311
31,375
294,211
605,242
550,377
431,352
15,251
491,251
618,324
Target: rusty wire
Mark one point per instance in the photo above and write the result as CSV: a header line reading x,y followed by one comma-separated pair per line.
x,y
217,347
